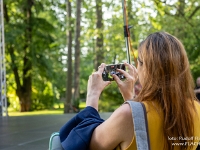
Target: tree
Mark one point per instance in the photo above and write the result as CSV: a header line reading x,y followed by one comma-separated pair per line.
x,y
99,50
36,44
181,20
33,52
77,52
69,60
23,88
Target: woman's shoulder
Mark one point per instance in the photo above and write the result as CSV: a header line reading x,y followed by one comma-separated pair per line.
x,y
122,116
123,112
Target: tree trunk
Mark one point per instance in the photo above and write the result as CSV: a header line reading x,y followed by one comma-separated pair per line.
x,y
69,60
25,101
23,90
99,41
77,53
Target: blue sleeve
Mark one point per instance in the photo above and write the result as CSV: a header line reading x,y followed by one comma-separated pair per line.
x,y
77,132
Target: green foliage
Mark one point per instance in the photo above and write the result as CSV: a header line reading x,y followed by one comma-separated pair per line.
x,y
182,20
44,51
110,98
48,52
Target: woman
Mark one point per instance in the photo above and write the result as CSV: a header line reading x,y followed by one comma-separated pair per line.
x,y
173,113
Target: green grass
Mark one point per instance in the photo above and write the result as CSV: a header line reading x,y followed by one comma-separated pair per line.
x,y
39,112
82,105
43,112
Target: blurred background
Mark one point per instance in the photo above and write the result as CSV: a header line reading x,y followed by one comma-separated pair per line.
x,y
52,46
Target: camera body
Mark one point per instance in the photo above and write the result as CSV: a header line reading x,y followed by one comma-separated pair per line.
x,y
109,70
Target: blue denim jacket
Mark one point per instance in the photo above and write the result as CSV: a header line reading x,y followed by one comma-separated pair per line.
x,y
77,132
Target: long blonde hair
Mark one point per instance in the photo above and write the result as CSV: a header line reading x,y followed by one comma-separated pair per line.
x,y
169,82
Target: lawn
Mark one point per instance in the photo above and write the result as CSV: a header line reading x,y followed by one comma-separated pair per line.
x,y
39,112
42,112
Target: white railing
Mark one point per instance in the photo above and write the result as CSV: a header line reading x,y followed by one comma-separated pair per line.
x,y
3,98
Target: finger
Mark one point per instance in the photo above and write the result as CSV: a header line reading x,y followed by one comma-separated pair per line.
x,y
89,77
107,83
117,79
126,74
131,69
101,68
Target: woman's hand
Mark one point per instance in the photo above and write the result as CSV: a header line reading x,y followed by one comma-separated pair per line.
x,y
95,87
126,87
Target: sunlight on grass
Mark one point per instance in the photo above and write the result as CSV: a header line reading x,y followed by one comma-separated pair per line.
x,y
58,106
82,105
41,112
59,110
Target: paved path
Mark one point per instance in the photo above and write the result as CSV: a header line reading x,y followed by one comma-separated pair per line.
x,y
31,132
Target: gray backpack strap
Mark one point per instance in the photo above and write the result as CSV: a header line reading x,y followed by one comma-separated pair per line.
x,y
140,125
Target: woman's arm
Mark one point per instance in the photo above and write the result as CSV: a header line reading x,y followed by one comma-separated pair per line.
x,y
95,87
116,130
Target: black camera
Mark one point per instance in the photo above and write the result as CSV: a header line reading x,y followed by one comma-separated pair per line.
x,y
109,70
